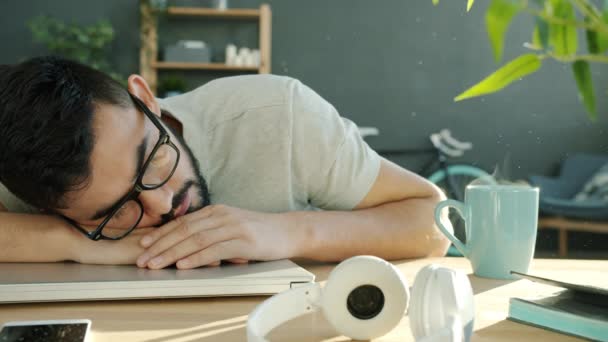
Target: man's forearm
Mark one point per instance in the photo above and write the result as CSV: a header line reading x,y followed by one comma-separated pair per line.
x,y
34,238
404,229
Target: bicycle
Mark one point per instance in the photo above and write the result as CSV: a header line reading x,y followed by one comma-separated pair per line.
x,y
451,178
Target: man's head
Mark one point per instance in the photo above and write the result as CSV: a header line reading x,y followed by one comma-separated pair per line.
x,y
72,141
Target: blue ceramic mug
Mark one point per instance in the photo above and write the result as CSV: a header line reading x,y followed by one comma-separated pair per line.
x,y
500,227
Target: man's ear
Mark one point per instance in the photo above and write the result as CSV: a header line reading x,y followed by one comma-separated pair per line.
x,y
139,87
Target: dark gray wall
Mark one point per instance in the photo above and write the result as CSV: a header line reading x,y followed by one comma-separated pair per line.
x,y
123,15
393,64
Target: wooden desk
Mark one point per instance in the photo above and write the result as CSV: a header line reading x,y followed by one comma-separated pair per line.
x,y
224,319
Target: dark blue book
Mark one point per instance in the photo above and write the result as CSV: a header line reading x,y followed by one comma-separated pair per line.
x,y
578,310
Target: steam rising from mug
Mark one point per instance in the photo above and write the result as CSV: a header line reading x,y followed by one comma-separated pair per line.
x,y
502,175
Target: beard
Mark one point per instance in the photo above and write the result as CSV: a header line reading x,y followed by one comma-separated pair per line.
x,y
198,183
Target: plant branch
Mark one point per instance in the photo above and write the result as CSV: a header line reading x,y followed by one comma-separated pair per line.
x,y
574,58
555,20
597,25
587,9
592,13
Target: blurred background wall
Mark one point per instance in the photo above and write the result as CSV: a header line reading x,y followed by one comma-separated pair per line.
x,y
393,64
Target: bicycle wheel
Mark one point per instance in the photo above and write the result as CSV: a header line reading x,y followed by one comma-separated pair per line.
x,y
461,176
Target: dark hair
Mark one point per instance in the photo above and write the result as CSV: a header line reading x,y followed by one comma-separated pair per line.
x,y
46,136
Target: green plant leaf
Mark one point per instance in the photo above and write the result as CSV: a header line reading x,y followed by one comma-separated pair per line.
x,y
540,3
597,40
536,43
470,4
602,37
87,44
540,36
582,75
592,42
562,36
592,39
435,2
510,72
498,17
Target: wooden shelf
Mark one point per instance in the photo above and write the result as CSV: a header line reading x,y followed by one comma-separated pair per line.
x,y
150,66
234,13
201,66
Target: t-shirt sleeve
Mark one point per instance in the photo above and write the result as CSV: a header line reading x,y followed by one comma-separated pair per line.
x,y
332,162
12,203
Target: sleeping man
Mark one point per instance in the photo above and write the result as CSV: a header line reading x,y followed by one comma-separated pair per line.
x,y
243,168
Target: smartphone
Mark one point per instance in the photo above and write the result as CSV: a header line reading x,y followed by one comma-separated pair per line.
x,y
67,330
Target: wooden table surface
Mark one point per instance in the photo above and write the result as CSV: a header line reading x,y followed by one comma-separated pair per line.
x,y
224,319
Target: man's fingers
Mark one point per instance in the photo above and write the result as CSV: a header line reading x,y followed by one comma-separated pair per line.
x,y
188,230
151,238
196,242
230,249
238,261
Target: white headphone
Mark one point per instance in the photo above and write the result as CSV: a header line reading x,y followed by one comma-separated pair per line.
x,y
366,297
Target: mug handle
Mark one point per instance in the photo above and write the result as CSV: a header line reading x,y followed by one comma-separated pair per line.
x,y
461,208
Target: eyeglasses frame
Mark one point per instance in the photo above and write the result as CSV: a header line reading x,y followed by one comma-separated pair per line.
x,y
133,194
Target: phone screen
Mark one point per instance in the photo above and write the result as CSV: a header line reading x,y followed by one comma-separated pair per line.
x,y
71,332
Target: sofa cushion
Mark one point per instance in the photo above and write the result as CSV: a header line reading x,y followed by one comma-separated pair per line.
x,y
596,188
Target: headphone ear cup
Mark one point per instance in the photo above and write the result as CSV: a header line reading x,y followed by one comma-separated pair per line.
x,y
365,297
416,310
441,296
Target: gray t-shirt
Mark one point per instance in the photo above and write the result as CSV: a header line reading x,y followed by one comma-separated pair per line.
x,y
269,143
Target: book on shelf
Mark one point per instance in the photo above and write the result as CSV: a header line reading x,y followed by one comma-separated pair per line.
x,y
577,310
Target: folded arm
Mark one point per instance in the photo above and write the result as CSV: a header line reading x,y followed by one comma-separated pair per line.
x,y
46,238
394,221
33,238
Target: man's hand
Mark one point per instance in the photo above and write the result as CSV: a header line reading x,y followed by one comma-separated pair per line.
x,y
217,233
121,252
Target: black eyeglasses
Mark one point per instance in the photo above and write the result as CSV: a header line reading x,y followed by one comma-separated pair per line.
x,y
156,171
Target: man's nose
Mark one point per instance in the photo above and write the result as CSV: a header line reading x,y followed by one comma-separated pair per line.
x,y
157,202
